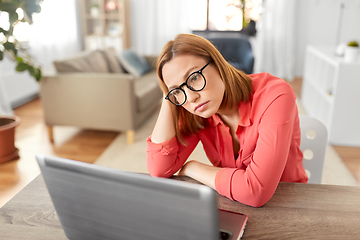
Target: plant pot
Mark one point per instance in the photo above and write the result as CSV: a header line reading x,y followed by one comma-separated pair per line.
x,y
8,151
351,53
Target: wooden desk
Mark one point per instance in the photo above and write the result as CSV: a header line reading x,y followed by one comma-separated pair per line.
x,y
296,211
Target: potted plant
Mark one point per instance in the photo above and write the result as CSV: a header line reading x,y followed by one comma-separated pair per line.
x,y
94,10
13,50
351,51
9,45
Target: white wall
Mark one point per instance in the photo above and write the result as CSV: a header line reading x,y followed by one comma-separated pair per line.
x,y
318,23
19,87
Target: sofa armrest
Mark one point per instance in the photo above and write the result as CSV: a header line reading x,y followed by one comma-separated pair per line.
x,y
95,101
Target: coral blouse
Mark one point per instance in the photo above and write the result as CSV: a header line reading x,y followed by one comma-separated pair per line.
x,y
269,136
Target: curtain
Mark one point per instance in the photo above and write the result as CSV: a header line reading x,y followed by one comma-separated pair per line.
x,y
55,31
155,22
5,106
276,43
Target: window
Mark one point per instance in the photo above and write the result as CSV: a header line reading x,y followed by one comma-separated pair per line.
x,y
224,15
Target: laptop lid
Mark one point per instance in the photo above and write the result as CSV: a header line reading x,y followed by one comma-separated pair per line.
x,y
95,202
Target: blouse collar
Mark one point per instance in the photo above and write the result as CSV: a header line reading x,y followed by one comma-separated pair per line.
x,y
244,115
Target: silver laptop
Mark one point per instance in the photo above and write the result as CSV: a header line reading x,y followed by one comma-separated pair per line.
x,y
95,202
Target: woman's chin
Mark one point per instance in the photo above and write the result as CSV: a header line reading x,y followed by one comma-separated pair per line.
x,y
204,114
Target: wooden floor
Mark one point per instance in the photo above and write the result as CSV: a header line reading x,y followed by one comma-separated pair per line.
x,y
82,145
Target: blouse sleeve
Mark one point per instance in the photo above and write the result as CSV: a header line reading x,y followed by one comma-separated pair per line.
x,y
256,184
165,159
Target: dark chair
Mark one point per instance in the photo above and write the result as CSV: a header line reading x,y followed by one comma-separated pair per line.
x,y
237,51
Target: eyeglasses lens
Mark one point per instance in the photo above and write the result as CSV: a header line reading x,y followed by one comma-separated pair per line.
x,y
177,96
195,82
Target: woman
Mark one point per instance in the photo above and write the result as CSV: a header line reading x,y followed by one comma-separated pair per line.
x,y
248,125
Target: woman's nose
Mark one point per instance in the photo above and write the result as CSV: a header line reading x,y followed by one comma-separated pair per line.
x,y
191,96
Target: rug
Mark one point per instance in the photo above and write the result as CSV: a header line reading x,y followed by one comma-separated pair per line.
x,y
132,158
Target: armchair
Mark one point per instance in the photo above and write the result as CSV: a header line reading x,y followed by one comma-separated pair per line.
x,y
237,51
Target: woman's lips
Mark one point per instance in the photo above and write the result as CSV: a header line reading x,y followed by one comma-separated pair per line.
x,y
201,107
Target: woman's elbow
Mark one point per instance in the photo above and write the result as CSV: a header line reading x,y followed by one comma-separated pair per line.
x,y
255,200
257,204
155,172
159,175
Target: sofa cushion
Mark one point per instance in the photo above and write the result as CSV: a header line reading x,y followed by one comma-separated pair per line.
x,y
147,91
133,62
90,62
111,58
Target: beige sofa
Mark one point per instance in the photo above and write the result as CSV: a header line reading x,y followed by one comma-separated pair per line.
x,y
91,92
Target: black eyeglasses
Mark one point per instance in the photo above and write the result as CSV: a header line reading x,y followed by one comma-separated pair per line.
x,y
195,82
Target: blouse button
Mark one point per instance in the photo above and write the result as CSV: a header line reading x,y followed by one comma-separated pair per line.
x,y
164,152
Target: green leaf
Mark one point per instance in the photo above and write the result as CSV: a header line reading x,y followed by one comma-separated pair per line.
x,y
31,70
21,67
13,17
19,59
1,55
10,47
8,7
37,74
30,7
3,31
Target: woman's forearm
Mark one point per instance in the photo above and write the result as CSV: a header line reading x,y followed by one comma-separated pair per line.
x,y
164,128
201,172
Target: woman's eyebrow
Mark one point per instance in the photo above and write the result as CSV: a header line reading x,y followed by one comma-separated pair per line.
x,y
172,87
188,72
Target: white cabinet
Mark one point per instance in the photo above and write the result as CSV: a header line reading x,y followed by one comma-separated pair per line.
x,y
331,93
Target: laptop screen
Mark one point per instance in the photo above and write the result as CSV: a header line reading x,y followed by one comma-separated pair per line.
x,y
95,202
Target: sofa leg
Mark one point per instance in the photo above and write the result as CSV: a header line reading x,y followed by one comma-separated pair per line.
x,y
130,135
51,133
